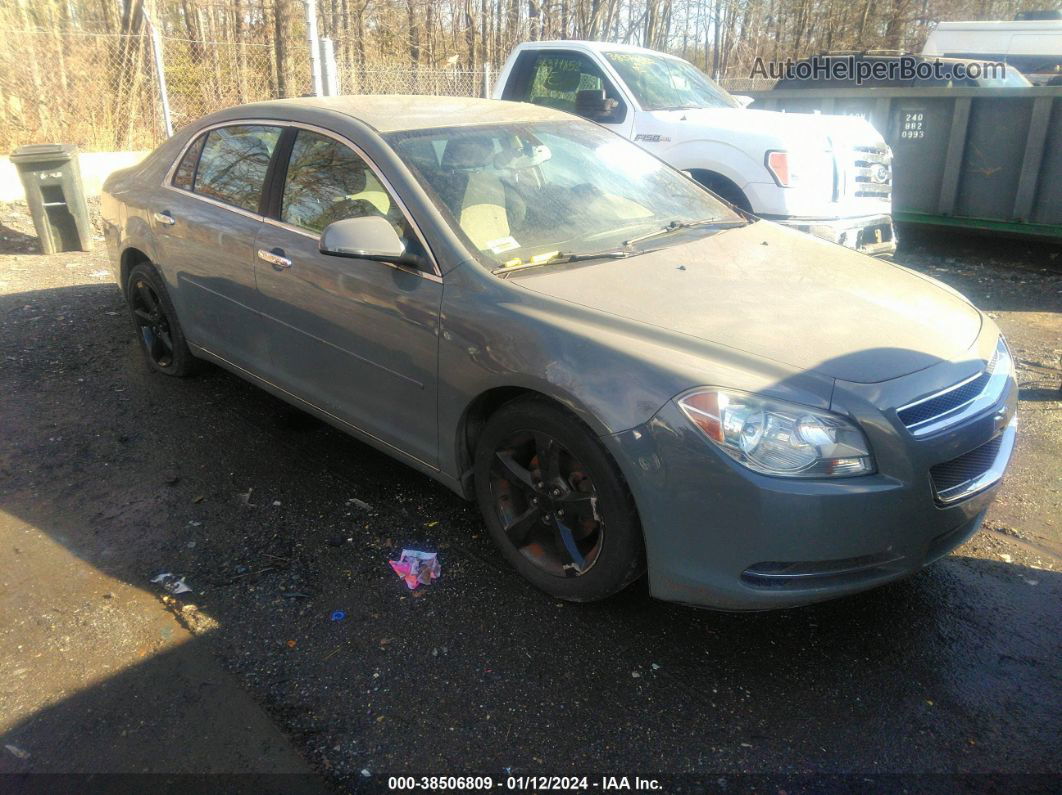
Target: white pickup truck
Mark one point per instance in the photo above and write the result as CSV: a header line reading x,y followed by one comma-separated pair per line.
x,y
827,175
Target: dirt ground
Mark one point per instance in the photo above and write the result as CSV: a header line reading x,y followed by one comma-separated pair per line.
x,y
110,476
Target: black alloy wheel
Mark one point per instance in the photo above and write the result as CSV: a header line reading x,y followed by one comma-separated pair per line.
x,y
157,327
547,504
555,502
154,325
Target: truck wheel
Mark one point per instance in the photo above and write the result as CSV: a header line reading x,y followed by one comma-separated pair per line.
x,y
556,504
160,335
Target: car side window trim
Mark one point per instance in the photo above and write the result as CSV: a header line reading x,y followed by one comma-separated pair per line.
x,y
278,173
197,142
276,189
167,181
274,182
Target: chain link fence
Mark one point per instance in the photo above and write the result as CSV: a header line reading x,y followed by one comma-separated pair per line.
x,y
738,85
403,80
205,76
98,91
102,91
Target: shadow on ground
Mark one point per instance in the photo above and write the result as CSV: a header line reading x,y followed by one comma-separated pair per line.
x,y
14,242
954,669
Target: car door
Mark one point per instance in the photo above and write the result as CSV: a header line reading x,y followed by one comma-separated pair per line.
x,y
554,78
354,337
206,228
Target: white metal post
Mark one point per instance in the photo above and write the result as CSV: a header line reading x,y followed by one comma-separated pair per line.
x,y
329,71
487,87
160,72
315,47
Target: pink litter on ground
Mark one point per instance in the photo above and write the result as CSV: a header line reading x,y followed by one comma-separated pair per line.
x,y
416,567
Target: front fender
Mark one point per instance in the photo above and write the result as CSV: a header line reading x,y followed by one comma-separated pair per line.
x,y
613,373
720,157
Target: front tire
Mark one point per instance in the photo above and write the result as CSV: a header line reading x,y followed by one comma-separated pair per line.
x,y
158,330
555,502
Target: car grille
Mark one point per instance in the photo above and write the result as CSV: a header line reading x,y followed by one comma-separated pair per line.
x,y
950,399
966,467
871,172
950,477
960,400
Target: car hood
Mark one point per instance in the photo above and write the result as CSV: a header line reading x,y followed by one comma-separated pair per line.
x,y
781,295
796,129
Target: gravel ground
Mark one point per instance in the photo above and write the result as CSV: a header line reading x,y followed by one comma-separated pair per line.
x,y
111,475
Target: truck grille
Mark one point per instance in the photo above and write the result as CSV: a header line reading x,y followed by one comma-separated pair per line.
x,y
959,401
871,172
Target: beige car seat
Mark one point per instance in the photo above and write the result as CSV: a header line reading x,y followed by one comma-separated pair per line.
x,y
480,205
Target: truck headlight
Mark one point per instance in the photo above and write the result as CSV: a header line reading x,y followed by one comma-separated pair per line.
x,y
778,164
809,170
778,438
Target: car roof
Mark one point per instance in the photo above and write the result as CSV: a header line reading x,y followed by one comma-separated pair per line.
x,y
393,112
595,46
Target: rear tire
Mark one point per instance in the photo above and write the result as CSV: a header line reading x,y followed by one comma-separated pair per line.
x,y
158,331
555,502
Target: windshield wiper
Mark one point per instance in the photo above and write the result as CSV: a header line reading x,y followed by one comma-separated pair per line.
x,y
566,256
614,254
675,226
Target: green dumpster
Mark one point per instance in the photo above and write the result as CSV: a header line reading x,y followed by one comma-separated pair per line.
x,y
973,157
52,180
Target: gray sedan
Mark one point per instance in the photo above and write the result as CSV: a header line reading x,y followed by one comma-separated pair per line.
x,y
623,371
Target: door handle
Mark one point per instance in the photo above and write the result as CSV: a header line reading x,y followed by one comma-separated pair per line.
x,y
165,218
275,258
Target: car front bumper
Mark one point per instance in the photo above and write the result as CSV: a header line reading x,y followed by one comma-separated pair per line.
x,y
719,535
873,234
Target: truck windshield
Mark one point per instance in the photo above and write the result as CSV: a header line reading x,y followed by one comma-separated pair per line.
x,y
661,83
533,193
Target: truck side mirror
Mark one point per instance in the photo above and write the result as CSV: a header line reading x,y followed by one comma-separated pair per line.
x,y
591,103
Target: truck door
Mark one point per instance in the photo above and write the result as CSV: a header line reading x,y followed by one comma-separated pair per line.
x,y
555,78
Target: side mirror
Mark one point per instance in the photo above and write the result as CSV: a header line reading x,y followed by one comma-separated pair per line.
x,y
591,103
744,101
368,237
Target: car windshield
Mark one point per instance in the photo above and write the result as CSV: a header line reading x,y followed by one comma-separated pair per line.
x,y
661,83
532,193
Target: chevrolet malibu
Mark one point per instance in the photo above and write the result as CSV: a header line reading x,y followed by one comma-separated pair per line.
x,y
623,371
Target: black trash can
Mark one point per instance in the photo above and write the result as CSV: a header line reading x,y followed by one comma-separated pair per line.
x,y
52,179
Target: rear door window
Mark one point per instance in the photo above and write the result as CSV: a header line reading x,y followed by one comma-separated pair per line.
x,y
184,176
232,168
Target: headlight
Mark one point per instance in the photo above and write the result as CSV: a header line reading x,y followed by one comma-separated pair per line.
x,y
810,170
778,164
778,438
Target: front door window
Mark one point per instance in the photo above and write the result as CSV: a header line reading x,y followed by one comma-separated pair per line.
x,y
559,78
328,181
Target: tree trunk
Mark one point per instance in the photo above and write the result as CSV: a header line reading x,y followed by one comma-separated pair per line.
x,y
414,36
